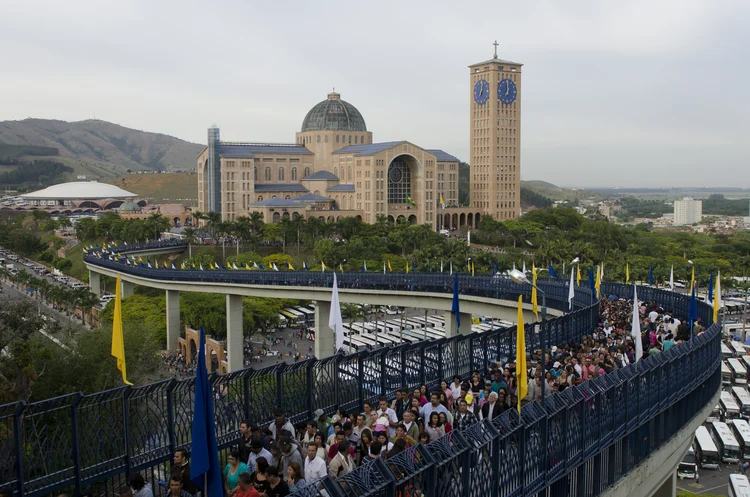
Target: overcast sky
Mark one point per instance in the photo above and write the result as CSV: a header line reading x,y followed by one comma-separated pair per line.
x,y
636,93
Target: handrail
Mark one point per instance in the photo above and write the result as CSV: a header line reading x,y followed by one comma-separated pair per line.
x,y
595,433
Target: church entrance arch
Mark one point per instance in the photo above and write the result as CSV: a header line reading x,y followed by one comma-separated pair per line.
x,y
454,221
439,220
462,220
470,220
476,219
276,217
413,219
402,171
400,219
285,216
391,219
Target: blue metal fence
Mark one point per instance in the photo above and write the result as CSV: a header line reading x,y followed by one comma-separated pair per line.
x,y
594,433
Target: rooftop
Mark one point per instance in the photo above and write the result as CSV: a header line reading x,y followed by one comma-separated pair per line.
x,y
341,188
368,149
443,156
250,149
280,187
334,114
321,175
80,190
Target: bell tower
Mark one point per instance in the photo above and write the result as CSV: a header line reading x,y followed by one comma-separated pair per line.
x,y
495,137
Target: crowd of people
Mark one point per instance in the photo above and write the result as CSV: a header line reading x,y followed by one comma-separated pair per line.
x,y
274,460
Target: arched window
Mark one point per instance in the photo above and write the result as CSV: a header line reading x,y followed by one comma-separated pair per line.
x,y
255,174
294,173
355,139
350,139
260,198
287,197
307,172
268,173
362,140
318,138
281,174
336,171
337,138
349,171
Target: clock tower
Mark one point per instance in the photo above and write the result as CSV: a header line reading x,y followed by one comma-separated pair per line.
x,y
495,117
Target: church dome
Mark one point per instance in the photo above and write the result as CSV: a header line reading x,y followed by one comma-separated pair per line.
x,y
129,206
335,115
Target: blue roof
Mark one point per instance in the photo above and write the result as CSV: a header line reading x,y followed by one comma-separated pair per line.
x,y
239,150
281,187
321,175
368,149
275,202
312,197
443,156
341,188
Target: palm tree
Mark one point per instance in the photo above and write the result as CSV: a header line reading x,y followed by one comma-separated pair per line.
x,y
198,216
190,237
212,222
256,222
84,299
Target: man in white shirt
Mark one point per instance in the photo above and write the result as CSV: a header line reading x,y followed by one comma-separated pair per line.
x,y
653,316
315,467
256,451
387,412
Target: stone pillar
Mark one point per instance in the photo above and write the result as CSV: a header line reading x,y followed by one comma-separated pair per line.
x,y
325,341
127,288
450,325
235,340
173,320
465,324
669,487
95,282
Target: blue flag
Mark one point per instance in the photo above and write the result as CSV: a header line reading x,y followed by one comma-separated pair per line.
x,y
552,272
304,266
651,275
592,284
711,286
260,266
455,308
204,468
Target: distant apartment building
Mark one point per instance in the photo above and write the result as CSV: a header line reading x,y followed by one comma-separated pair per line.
x,y
687,211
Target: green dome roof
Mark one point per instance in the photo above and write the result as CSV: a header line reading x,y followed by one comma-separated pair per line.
x,y
129,206
334,114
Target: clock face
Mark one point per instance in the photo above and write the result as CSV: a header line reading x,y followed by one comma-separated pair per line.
x,y
481,91
506,91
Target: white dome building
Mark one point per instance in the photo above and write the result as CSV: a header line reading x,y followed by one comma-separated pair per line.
x,y
81,195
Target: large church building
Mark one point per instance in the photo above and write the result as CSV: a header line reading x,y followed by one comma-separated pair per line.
x,y
335,170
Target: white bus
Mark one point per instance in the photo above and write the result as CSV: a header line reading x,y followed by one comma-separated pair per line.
x,y
739,349
729,447
688,467
729,406
308,313
742,433
293,317
746,361
742,397
740,373
705,449
716,414
726,352
738,486
727,376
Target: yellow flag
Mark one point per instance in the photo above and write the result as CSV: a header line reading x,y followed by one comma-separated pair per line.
x,y
472,268
291,268
598,284
407,267
578,276
692,281
247,266
521,379
118,343
534,305
323,265
341,267
627,272
442,203
389,266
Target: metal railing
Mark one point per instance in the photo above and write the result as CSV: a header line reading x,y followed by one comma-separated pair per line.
x,y
595,432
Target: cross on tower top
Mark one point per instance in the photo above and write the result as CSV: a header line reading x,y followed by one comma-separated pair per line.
x,y
495,57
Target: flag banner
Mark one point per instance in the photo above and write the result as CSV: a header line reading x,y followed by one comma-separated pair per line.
x,y
635,328
118,341
455,307
522,382
571,290
552,272
334,320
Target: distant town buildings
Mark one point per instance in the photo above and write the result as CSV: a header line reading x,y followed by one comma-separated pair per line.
x,y
687,211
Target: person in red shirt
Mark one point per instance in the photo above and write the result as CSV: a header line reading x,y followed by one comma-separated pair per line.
x,y
246,487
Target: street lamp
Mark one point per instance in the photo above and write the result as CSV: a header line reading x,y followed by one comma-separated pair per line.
x,y
520,278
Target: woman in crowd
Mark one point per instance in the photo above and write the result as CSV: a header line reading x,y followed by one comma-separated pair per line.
x,y
434,428
444,421
232,471
294,476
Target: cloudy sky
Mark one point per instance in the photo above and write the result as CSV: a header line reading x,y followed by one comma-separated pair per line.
x,y
648,93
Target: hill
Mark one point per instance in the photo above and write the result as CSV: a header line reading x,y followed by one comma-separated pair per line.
x,y
555,192
169,188
99,149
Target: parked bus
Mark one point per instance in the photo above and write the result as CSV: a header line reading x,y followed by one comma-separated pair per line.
x,y
730,406
308,313
746,362
727,376
739,486
717,414
293,317
742,397
705,449
742,433
688,467
729,447
726,352
740,373
739,349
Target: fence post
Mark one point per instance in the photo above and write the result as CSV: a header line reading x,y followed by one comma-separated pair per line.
x,y
247,373
76,446
18,448
126,424
171,415
310,385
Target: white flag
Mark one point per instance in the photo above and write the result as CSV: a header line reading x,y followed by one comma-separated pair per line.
x,y
365,265
334,320
255,265
468,238
571,290
234,266
441,266
717,293
671,279
274,267
635,331
384,268
451,268
601,273
524,267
